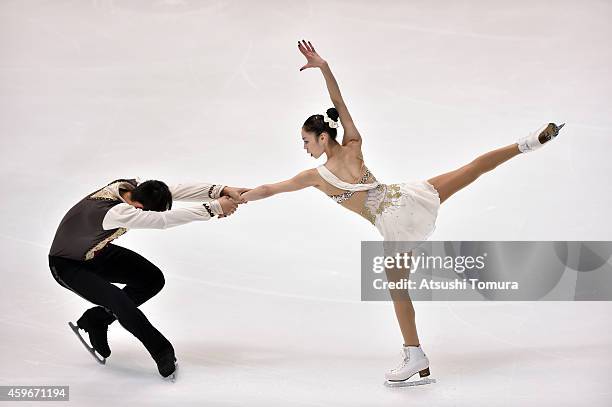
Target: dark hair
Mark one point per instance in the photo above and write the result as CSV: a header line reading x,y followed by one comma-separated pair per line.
x,y
317,125
153,195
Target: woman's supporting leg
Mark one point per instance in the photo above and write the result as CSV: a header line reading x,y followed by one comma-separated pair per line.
x,y
451,182
404,311
414,359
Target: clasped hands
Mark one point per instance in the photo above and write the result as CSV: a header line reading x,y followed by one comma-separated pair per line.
x,y
230,199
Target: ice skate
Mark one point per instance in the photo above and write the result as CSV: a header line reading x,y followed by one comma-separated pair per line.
x,y
97,329
166,365
173,376
414,361
99,358
538,138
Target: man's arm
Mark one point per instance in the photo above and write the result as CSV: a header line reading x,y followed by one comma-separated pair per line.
x,y
127,216
196,191
201,191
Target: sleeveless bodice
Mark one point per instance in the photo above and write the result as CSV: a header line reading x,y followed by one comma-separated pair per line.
x,y
400,212
379,197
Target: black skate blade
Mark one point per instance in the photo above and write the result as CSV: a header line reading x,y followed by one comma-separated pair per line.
x,y
91,350
406,383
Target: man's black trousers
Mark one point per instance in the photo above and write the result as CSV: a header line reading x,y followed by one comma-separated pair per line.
x,y
92,280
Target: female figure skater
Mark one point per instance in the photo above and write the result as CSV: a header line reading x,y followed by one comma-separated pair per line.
x,y
401,212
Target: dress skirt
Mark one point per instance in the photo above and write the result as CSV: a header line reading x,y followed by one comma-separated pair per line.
x,y
408,211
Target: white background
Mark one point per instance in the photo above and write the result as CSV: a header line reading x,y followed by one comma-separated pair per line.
x,y
263,307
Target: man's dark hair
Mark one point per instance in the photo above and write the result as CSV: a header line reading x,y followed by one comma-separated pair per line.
x,y
153,195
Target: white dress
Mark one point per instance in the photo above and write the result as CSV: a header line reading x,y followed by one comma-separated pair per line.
x,y
400,212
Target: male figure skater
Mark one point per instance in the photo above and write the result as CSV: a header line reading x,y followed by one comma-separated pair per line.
x,y
82,259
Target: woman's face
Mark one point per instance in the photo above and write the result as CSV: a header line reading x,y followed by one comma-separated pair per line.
x,y
312,144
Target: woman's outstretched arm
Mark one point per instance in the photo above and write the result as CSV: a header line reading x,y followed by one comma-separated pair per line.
x,y
304,179
351,135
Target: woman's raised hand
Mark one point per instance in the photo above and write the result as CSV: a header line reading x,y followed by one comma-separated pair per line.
x,y
313,60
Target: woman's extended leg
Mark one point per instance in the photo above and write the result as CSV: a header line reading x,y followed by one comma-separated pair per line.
x,y
451,182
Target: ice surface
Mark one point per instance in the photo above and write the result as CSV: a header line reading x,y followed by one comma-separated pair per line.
x,y
204,90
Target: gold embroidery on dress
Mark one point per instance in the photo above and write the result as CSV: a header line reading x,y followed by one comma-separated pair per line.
x,y
380,199
91,253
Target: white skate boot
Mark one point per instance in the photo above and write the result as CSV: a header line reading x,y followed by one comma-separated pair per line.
x,y
415,361
538,138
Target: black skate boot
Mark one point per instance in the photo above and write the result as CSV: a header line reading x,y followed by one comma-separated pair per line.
x,y
97,334
166,364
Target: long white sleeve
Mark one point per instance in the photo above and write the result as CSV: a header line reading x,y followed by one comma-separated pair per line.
x,y
195,191
127,216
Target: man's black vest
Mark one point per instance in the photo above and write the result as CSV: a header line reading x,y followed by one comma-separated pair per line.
x,y
80,234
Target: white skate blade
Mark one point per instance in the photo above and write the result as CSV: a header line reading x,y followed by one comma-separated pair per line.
x,y
406,383
91,350
173,376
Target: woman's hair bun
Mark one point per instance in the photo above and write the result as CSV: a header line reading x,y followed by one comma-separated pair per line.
x,y
317,124
333,114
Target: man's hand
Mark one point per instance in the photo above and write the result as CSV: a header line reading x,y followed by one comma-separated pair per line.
x,y
228,205
234,193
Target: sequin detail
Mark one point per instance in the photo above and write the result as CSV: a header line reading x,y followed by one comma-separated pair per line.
x,y
339,198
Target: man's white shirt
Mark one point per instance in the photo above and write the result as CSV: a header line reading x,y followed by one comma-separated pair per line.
x,y
127,216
